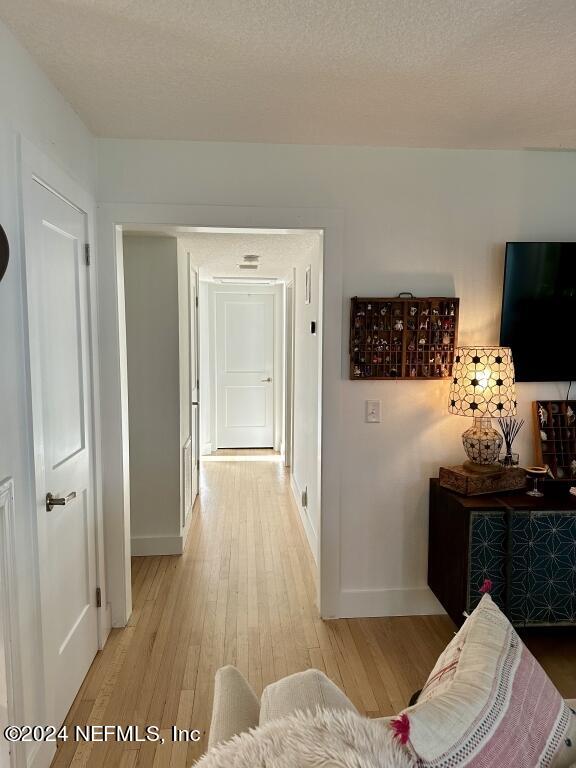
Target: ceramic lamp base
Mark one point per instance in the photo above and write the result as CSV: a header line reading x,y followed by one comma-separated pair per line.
x,y
483,469
482,443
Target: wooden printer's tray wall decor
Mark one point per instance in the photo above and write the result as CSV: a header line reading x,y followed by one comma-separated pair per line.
x,y
555,436
403,338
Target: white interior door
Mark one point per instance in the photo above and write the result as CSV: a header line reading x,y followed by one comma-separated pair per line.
x,y
244,338
57,285
194,383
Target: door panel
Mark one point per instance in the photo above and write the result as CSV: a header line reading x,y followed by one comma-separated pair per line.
x,y
245,370
61,346
61,396
245,338
245,406
71,560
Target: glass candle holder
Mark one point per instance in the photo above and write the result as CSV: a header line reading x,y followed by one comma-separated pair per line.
x,y
509,459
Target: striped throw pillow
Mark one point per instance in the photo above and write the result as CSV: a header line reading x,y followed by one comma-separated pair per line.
x,y
489,704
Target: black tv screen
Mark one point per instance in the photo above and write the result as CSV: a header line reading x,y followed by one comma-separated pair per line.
x,y
539,310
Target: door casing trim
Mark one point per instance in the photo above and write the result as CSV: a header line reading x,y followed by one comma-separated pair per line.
x,y
278,363
111,218
9,604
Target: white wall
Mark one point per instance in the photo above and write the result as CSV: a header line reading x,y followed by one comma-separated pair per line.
x,y
156,286
429,221
32,107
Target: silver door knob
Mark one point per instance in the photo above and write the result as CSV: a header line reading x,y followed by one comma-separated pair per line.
x,y
269,379
58,501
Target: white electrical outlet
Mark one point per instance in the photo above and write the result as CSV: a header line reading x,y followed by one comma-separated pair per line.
x,y
373,409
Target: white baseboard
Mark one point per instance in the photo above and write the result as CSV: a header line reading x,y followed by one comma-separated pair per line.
x,y
308,528
206,449
355,603
157,545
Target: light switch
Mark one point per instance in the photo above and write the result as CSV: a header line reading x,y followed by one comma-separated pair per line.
x,y
373,408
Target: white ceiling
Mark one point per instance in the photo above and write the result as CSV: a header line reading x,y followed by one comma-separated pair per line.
x,y
428,73
218,253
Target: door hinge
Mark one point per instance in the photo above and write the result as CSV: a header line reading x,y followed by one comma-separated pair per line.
x,y
87,253
98,597
196,300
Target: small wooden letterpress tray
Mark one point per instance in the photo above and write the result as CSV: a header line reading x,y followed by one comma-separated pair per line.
x,y
555,436
403,338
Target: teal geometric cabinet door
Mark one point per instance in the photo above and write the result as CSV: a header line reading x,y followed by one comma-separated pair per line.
x,y
526,547
488,548
540,567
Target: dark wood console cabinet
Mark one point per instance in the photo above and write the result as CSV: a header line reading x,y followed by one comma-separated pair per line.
x,y
526,546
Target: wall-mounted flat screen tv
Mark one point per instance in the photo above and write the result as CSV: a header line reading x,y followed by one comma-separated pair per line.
x,y
539,310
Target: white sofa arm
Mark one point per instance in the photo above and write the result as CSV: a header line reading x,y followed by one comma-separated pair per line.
x,y
236,707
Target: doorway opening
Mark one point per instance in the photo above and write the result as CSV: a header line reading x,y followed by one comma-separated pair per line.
x,y
224,364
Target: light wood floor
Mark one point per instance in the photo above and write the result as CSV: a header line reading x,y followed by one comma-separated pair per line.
x,y
243,593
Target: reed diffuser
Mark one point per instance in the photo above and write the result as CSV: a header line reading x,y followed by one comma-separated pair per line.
x,y
510,427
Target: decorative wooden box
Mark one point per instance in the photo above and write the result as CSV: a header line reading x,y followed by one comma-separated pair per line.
x,y
403,338
555,436
460,480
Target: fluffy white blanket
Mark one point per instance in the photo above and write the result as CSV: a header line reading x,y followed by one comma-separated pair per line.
x,y
327,739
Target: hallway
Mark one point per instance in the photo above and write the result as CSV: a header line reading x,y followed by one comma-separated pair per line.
x,y
243,593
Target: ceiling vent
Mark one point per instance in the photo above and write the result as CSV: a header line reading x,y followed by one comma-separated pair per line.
x,y
247,266
246,280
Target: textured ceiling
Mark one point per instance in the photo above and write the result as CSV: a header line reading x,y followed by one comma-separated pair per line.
x,y
219,253
429,73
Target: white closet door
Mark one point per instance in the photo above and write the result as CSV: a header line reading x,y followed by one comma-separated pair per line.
x,y
245,370
61,400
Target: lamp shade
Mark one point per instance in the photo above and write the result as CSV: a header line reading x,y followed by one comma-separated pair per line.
x,y
483,382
